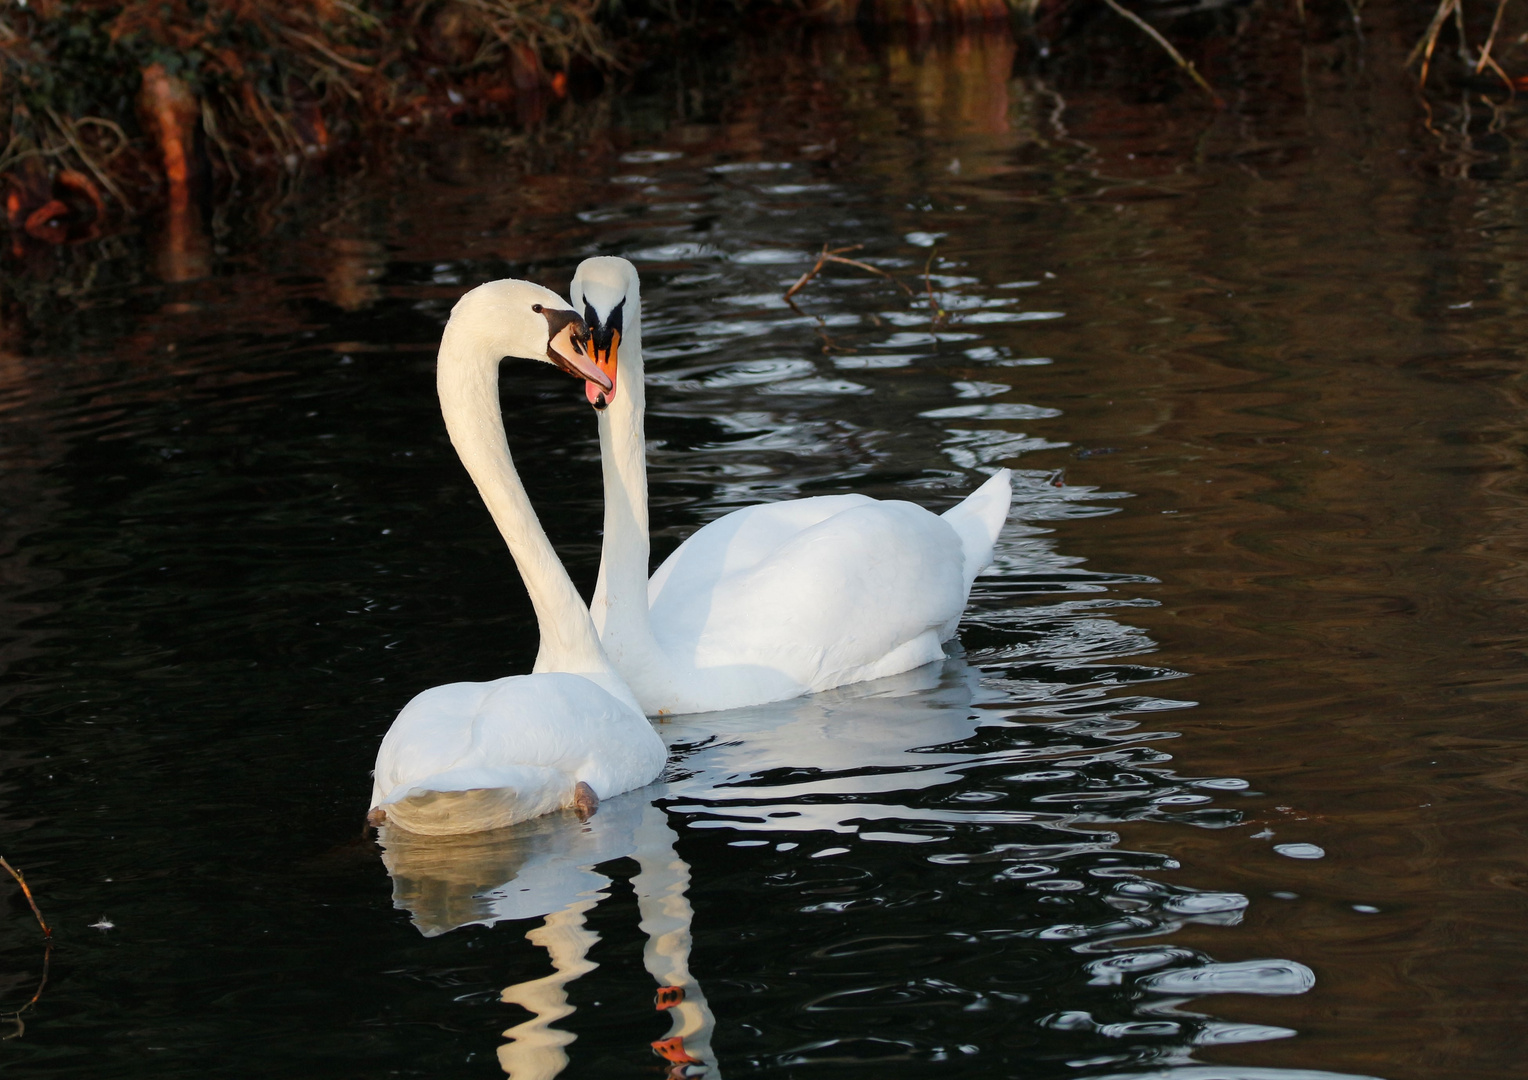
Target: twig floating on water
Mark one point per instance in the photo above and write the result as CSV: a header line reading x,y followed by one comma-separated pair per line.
x,y
835,255
937,315
47,953
46,932
828,344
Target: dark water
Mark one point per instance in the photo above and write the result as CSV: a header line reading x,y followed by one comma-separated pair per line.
x,y
1226,780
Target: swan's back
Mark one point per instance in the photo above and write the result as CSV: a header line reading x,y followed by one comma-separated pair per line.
x,y
742,540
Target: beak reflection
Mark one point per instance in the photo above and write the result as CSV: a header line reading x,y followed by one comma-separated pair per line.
x,y
546,867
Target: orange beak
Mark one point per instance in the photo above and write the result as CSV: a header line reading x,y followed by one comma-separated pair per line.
x,y
566,351
601,392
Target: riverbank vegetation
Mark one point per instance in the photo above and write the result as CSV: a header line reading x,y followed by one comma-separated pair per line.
x,y
109,103
111,107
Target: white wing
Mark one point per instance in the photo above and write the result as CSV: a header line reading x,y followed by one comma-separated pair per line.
x,y
822,590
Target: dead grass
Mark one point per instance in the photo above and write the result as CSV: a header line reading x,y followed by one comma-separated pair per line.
x,y
127,92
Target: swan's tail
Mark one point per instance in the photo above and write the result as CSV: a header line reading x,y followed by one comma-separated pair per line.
x,y
978,518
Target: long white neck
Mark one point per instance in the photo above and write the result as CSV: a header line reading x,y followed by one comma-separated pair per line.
x,y
467,379
620,607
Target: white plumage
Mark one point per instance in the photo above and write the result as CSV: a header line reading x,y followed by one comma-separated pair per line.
x,y
481,755
471,756
774,600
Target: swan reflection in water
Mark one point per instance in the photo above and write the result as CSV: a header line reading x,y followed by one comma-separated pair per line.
x,y
854,762
545,867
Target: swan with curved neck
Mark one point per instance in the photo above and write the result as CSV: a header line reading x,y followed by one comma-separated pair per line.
x,y
465,757
770,601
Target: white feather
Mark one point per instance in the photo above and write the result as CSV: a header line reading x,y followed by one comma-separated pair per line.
x,y
471,756
774,600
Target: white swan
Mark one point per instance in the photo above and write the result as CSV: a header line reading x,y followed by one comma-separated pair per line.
x,y
774,600
471,756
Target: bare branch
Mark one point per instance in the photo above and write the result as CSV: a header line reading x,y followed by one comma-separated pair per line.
x,y
937,315
828,344
836,255
1178,58
808,276
46,932
47,953
866,266
1485,52
1424,48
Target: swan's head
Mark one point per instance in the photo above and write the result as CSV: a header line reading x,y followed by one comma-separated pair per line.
x,y
605,289
520,318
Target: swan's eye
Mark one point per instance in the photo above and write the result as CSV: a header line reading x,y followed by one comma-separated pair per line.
x,y
536,308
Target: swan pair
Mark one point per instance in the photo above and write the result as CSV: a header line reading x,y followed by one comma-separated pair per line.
x,y
763,604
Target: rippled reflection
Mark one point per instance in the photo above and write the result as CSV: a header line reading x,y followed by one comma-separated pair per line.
x,y
926,761
546,867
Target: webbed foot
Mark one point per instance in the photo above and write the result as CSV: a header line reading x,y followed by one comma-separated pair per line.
x,y
585,802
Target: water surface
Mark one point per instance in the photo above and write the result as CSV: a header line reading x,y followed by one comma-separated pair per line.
x,y
1224,778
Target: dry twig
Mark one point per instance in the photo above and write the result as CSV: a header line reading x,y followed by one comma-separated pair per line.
x,y
70,131
836,256
47,954
1464,40
1486,59
1424,48
937,315
46,932
1178,58
828,344
323,50
15,1015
